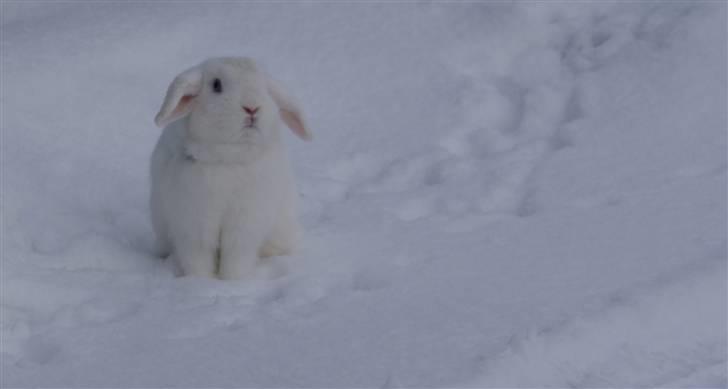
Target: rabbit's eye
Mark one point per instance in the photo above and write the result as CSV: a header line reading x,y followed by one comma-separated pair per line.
x,y
217,86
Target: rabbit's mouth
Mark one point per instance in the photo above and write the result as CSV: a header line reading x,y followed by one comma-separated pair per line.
x,y
251,123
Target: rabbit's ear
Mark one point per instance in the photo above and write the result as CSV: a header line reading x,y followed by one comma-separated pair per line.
x,y
289,110
180,97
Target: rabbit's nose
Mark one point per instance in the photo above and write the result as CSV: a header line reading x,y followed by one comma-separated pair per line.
x,y
251,110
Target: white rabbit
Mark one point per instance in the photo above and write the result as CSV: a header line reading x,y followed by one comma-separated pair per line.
x,y
222,193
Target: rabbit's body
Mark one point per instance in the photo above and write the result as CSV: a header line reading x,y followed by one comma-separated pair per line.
x,y
222,196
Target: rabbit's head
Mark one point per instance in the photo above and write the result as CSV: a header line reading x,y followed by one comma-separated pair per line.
x,y
229,100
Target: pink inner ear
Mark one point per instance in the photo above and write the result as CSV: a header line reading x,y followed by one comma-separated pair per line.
x,y
183,105
293,121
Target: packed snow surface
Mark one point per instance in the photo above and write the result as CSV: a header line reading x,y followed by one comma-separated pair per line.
x,y
526,194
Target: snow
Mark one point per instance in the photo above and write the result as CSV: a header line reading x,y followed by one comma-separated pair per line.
x,y
522,194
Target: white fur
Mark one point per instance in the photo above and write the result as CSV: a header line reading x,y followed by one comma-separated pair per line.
x,y
222,195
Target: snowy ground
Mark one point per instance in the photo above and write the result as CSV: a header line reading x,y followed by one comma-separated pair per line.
x,y
498,195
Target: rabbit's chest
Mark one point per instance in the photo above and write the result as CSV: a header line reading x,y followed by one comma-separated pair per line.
x,y
220,189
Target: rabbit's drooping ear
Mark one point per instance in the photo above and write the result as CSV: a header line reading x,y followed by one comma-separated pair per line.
x,y
289,110
180,96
